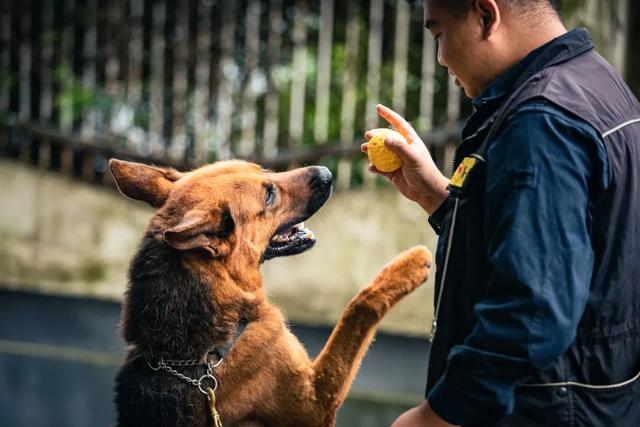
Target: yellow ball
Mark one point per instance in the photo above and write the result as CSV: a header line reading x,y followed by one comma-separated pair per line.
x,y
380,156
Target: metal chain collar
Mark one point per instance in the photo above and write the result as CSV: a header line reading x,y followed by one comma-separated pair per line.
x,y
167,365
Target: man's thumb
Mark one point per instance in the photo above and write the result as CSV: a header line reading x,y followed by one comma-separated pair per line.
x,y
401,148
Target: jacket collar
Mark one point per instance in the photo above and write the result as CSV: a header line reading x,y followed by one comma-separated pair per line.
x,y
558,50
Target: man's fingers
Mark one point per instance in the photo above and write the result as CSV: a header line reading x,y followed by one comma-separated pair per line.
x,y
386,175
364,148
398,122
403,150
373,132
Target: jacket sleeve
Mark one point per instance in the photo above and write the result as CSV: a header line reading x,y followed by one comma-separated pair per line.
x,y
541,174
438,217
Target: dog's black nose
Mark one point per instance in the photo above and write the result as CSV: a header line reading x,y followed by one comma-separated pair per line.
x,y
320,178
320,185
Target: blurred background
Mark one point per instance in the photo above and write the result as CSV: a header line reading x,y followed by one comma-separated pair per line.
x,y
284,83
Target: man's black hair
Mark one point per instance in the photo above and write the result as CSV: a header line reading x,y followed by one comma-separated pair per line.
x,y
461,7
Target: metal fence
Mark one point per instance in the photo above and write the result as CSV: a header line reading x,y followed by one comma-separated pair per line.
x,y
184,82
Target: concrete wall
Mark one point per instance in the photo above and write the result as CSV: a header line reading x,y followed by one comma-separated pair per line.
x,y
64,237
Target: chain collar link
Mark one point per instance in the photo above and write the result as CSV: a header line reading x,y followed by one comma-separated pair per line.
x,y
169,365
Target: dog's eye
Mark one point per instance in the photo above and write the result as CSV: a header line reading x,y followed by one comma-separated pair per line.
x,y
270,196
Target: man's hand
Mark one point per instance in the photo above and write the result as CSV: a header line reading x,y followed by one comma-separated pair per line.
x,y
420,416
418,179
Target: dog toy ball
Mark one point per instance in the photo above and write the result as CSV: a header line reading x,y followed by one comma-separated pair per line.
x,y
380,156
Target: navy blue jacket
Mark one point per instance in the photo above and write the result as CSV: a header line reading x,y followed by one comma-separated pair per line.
x,y
525,271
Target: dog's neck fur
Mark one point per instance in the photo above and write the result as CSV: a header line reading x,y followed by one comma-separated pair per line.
x,y
174,308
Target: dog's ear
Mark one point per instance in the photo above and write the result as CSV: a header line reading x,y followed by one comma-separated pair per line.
x,y
150,184
212,231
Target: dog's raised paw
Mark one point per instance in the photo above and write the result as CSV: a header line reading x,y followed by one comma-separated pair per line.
x,y
417,263
410,266
419,255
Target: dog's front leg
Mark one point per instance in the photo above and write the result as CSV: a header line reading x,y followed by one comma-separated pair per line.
x,y
336,365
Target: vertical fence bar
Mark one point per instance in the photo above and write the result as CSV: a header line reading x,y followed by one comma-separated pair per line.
x,y
192,54
14,61
78,63
66,75
120,115
425,121
136,55
247,145
401,50
39,148
202,126
374,66
46,68
119,72
374,62
228,71
124,41
15,36
180,35
88,79
101,104
5,36
56,61
272,103
169,71
453,101
82,159
35,76
22,75
299,75
349,92
323,81
25,62
106,63
145,78
64,79
156,100
102,31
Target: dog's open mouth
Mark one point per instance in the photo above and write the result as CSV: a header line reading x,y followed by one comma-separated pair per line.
x,y
290,240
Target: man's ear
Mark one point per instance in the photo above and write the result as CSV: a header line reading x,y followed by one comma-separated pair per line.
x,y
208,230
142,182
490,15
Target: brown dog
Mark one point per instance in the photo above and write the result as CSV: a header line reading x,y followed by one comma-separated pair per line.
x,y
196,278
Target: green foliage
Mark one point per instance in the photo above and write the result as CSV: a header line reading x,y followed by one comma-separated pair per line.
x,y
570,7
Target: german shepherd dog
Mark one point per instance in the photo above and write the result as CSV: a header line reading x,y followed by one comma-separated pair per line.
x,y
195,281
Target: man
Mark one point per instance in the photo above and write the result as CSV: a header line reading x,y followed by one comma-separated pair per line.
x,y
537,301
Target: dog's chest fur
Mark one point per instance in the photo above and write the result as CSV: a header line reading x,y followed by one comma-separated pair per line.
x,y
169,313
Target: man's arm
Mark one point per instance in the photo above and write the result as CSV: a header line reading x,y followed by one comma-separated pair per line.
x,y
420,416
540,171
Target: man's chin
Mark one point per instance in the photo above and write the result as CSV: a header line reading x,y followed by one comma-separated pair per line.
x,y
471,94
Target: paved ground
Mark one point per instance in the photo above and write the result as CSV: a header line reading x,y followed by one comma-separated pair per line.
x,y
58,356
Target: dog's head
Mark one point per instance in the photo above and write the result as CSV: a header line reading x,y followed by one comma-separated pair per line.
x,y
229,207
